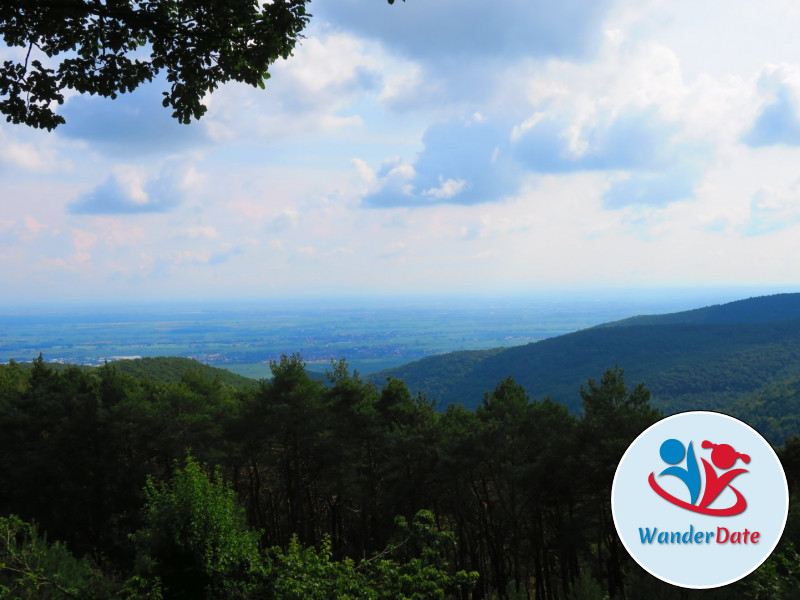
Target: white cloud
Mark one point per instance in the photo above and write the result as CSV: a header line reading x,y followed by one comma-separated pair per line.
x,y
364,170
773,209
603,146
33,226
312,92
131,190
446,190
337,62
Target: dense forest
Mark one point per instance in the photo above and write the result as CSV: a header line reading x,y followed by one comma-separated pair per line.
x,y
146,487
723,357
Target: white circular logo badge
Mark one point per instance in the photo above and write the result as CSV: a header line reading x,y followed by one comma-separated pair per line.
x,y
700,499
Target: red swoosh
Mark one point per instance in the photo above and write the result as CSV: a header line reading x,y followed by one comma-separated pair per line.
x,y
737,508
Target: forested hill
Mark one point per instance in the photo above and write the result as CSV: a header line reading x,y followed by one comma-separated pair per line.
x,y
172,369
167,369
707,358
764,309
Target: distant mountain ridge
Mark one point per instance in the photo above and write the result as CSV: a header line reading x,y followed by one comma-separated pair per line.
x,y
762,309
708,358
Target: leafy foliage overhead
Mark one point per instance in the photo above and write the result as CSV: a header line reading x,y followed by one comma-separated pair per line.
x,y
109,47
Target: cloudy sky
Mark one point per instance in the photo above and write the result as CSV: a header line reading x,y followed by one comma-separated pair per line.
x,y
434,146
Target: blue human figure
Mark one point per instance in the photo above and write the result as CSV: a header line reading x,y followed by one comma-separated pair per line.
x,y
672,452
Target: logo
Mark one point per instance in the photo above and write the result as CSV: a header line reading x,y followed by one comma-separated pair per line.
x,y
723,457
700,500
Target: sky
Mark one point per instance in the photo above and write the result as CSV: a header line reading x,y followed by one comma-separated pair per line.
x,y
433,147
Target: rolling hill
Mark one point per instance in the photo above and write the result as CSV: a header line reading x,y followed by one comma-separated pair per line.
x,y
709,358
166,369
170,369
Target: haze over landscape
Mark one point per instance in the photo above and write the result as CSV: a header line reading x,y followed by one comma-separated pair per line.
x,y
428,149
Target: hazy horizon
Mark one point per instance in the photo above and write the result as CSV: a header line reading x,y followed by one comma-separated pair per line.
x,y
665,298
371,334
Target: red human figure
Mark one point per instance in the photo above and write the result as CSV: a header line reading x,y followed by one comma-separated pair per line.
x,y
724,457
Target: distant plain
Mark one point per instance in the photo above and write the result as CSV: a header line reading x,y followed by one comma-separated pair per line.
x,y
370,334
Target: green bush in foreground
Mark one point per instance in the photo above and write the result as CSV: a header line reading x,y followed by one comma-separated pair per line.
x,y
32,568
195,544
306,573
195,540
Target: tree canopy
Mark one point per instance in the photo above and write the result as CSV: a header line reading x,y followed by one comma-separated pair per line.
x,y
109,47
306,490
